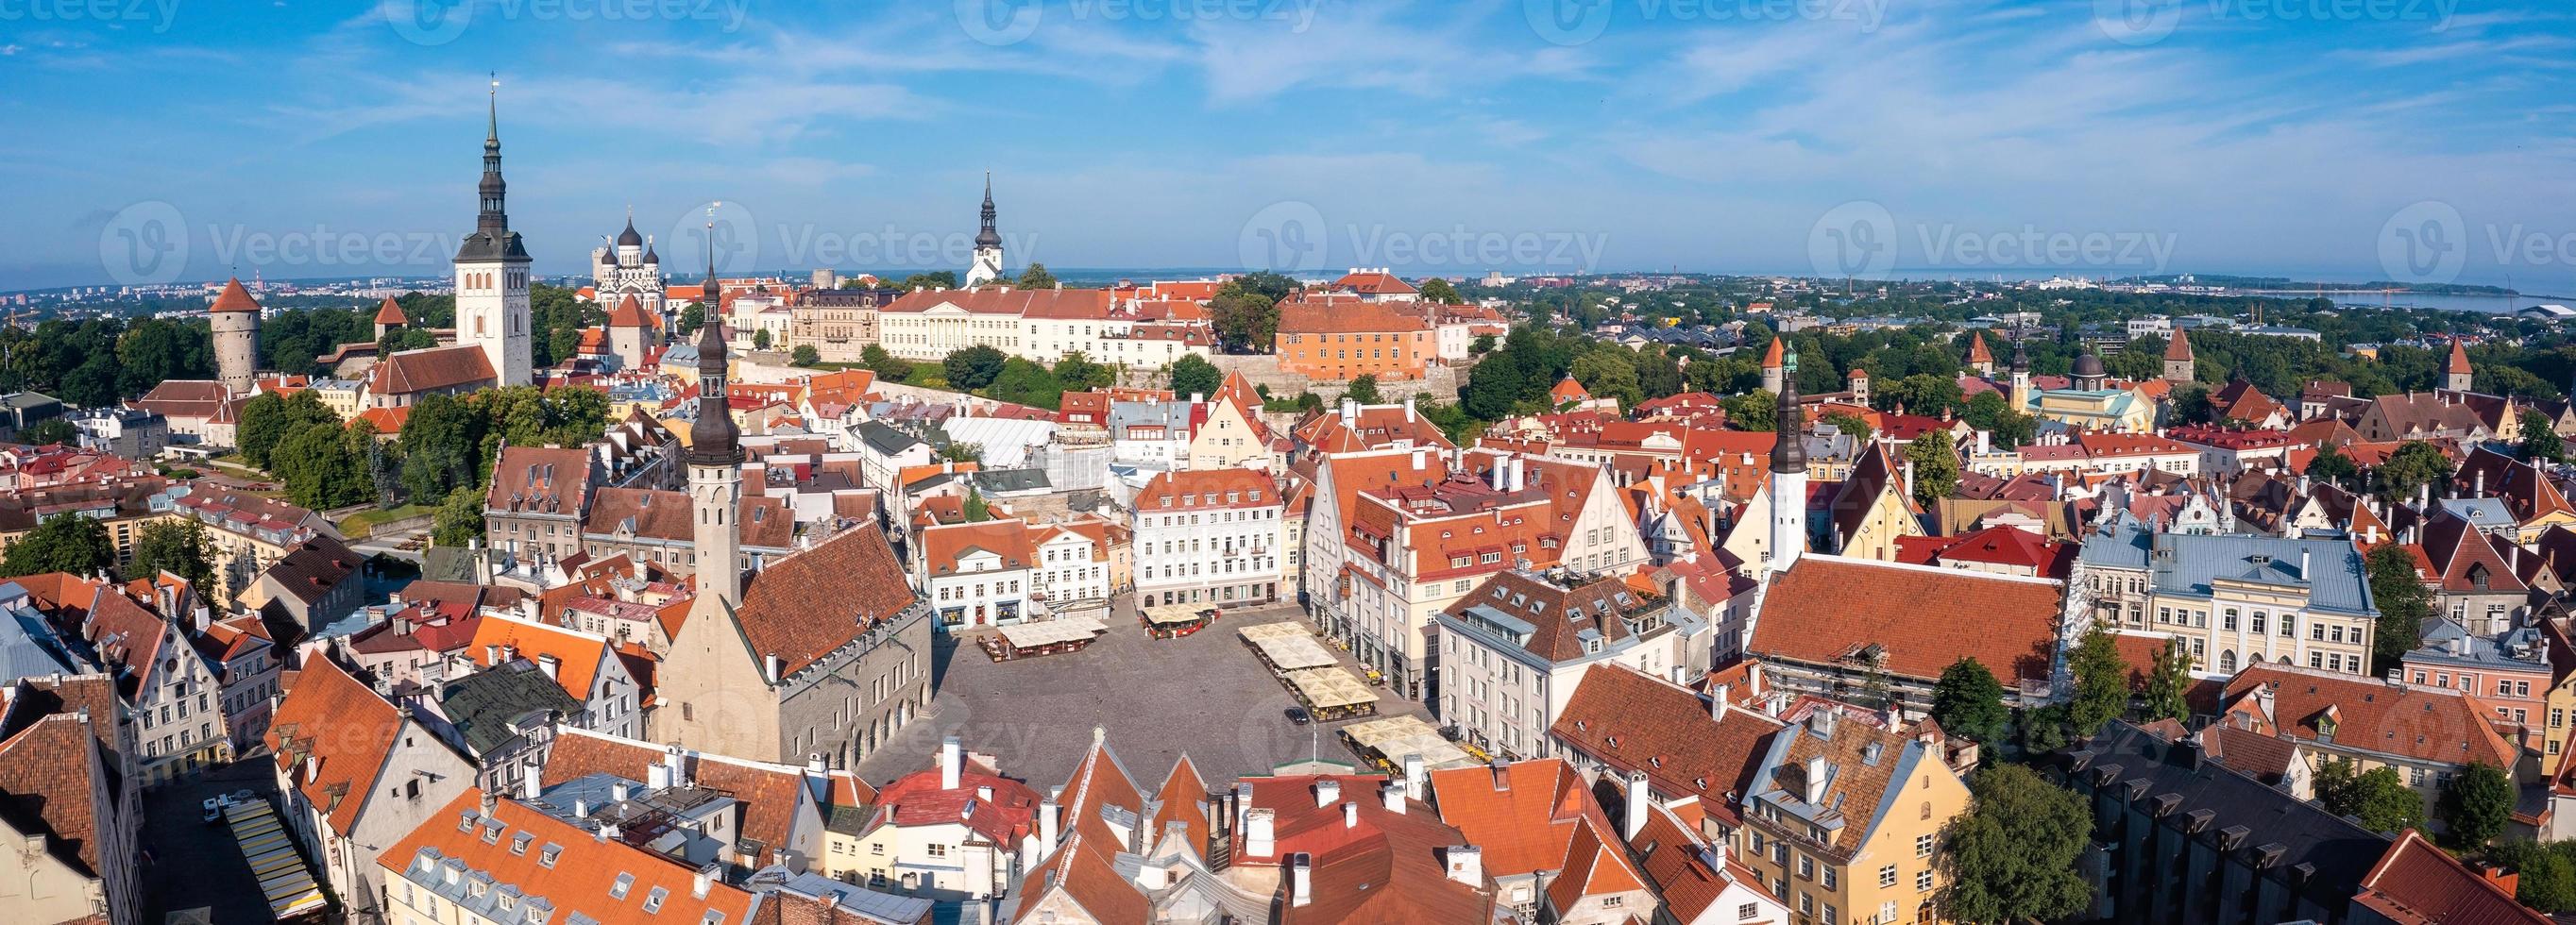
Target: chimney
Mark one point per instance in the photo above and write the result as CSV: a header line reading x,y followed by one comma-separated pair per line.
x,y
1048,823
1257,832
1327,790
1466,865
2303,566
1518,474
656,776
984,793
2478,484
528,785
1815,793
1909,478
1413,776
1408,411
550,665
1301,879
617,792
1421,457
814,764
704,879
1639,796
1390,796
1350,412
1717,704
949,767
1502,775
770,663
1350,815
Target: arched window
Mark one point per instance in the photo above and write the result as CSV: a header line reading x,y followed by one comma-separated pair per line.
x,y
2227,661
1927,809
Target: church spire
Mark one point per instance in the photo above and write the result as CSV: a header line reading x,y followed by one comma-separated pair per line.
x,y
988,237
492,191
713,438
1789,450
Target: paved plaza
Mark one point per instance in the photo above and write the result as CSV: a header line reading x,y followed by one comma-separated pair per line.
x,y
1204,694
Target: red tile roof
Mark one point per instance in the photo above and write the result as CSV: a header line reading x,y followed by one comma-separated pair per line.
x,y
234,298
391,313
434,368
818,600
1208,489
331,736
1631,721
1826,609
2416,882
48,777
768,793
2427,724
1372,282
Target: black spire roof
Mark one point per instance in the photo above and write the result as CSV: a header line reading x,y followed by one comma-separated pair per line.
x,y
1789,450
492,238
988,237
713,438
628,237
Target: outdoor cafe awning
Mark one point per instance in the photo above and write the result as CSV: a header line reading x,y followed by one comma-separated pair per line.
x,y
1290,650
1394,737
1050,632
1172,614
1331,688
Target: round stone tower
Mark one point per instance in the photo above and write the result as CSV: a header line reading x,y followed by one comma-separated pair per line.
x,y
234,316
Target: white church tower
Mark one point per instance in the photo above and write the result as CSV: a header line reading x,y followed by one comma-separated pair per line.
x,y
492,273
988,244
1788,475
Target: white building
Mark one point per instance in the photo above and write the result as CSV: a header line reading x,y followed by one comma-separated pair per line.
x,y
1209,536
1513,650
631,268
492,278
1072,566
976,574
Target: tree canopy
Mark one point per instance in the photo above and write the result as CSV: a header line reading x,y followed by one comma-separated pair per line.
x,y
62,543
974,367
2379,797
1968,701
2476,805
2012,857
1194,375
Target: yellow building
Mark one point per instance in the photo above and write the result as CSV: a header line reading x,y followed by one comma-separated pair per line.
x,y
1844,820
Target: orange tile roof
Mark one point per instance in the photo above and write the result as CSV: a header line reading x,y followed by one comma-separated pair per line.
x,y
1208,489
343,729
768,793
1532,816
2427,724
2416,882
1826,609
815,601
391,313
943,546
564,864
1631,721
577,654
234,298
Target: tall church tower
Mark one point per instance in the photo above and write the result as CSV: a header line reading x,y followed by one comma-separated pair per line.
x,y
2178,361
492,273
2021,378
2456,374
1788,474
988,244
715,469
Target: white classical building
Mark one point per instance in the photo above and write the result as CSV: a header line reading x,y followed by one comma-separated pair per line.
x,y
1072,566
1209,536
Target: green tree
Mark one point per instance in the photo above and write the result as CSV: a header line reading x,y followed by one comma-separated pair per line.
x,y
962,452
62,543
2538,440
2404,605
1309,401
760,339
1968,701
442,448
2331,466
973,367
2545,880
2476,805
1483,344
1264,283
1610,372
459,519
2379,798
975,508
1440,290
1245,321
318,470
261,424
1756,410
2167,684
935,279
1194,375
1936,466
1036,277
1364,391
2101,684
48,432
692,317
1026,383
179,547
2012,856
1078,373
886,365
2415,464
805,355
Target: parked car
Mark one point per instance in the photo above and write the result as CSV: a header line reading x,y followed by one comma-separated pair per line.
x,y
1299,716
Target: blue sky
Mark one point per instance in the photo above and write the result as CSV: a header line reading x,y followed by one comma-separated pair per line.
x,y
2321,138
